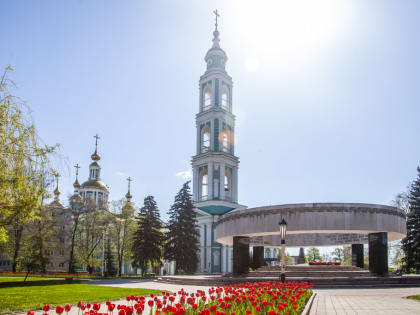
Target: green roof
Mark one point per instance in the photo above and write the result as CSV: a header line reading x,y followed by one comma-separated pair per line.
x,y
216,209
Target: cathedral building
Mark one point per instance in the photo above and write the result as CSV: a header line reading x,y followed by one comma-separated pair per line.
x,y
215,166
93,188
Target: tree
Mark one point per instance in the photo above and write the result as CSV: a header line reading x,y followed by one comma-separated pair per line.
x,y
338,253
23,163
312,254
110,269
93,223
411,243
181,243
123,229
148,238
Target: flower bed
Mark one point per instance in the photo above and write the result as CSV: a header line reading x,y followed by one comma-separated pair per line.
x,y
272,298
317,263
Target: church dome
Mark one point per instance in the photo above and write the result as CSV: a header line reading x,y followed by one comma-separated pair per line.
x,y
216,57
97,184
76,184
95,156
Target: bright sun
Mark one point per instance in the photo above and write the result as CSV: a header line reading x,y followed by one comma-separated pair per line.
x,y
282,31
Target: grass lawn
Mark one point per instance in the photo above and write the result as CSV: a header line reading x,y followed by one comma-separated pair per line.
x,y
414,297
16,295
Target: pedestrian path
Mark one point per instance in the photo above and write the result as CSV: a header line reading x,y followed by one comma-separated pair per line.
x,y
365,301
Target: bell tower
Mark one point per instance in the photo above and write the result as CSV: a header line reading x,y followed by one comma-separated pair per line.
x,y
215,166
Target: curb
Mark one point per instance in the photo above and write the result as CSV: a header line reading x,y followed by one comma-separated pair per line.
x,y
308,306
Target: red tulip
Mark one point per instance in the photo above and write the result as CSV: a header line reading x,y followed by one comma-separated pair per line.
x,y
59,309
46,308
67,308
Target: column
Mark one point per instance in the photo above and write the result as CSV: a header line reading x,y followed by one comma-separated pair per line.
x,y
257,256
235,184
195,183
198,139
202,247
378,253
240,255
222,181
208,249
222,255
357,255
210,184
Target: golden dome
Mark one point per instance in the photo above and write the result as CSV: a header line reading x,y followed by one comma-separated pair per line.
x,y
76,184
95,156
56,191
128,195
93,183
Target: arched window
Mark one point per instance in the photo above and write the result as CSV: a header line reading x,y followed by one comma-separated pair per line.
x,y
207,98
225,144
227,184
205,139
204,186
225,98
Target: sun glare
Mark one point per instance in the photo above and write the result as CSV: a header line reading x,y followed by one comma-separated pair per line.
x,y
282,31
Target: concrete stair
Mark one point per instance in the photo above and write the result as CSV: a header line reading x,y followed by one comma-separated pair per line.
x,y
319,283
317,271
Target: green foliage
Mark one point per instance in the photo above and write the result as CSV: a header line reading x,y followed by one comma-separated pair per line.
x,y
338,253
110,269
411,244
148,238
312,254
24,163
122,229
19,296
181,242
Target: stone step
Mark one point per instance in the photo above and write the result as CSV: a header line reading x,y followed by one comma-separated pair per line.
x,y
332,282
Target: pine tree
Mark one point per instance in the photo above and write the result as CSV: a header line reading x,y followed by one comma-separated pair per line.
x,y
182,237
411,244
110,269
148,239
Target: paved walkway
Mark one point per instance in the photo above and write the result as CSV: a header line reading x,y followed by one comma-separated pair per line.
x,y
327,301
365,301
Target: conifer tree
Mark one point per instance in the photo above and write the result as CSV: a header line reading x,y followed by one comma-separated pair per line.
x,y
181,243
110,269
411,244
148,239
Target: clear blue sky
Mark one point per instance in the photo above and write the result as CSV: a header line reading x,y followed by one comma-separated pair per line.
x,y
326,93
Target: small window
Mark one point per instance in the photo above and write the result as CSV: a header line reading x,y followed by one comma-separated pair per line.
x,y
225,145
204,187
207,98
225,98
205,140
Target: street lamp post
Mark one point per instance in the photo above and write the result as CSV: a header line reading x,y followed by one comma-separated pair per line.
x,y
283,227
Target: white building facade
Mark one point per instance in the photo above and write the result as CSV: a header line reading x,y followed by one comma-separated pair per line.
x,y
215,166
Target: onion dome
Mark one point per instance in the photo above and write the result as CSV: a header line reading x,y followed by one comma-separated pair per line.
x,y
95,183
76,184
128,195
95,156
57,192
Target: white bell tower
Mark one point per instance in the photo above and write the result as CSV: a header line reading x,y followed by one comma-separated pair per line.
x,y
215,166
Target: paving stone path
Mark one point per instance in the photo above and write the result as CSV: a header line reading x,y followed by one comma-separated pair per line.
x,y
365,301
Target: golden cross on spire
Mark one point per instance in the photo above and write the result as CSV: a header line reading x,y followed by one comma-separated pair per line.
x,y
96,141
77,169
129,182
217,15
